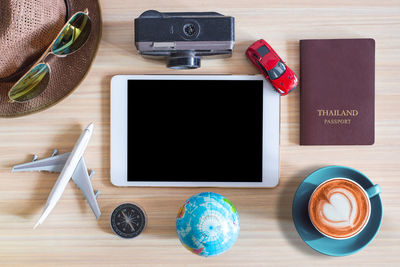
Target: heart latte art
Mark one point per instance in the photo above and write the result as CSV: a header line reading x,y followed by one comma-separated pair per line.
x,y
339,208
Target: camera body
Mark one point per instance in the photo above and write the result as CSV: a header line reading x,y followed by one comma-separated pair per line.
x,y
184,37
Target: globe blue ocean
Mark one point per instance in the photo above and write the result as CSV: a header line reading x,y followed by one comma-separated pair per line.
x,y
207,224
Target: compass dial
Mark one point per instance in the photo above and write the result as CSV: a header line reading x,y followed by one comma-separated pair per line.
x,y
128,220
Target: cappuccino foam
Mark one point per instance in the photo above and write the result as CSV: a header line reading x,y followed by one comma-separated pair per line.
x,y
339,208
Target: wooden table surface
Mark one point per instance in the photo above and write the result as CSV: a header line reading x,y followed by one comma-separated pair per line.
x,y
71,235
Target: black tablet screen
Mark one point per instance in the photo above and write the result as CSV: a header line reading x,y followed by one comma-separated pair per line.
x,y
195,130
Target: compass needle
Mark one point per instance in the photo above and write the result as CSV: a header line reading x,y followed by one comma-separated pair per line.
x,y
128,220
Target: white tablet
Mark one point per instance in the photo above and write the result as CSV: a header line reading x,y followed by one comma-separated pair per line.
x,y
194,130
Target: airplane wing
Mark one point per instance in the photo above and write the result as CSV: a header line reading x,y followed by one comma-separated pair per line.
x,y
50,164
82,180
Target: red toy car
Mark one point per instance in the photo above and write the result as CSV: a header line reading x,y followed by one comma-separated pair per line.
x,y
272,66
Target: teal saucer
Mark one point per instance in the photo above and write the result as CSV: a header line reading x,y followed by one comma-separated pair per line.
x,y
315,239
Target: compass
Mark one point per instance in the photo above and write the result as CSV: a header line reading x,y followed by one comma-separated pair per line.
x,y
128,220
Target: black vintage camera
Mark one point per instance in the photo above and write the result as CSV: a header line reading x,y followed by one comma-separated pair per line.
x,y
184,37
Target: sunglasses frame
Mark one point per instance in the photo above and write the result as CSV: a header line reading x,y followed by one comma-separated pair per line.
x,y
46,53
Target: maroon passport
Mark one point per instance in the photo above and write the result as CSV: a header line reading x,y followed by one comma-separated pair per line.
x,y
337,97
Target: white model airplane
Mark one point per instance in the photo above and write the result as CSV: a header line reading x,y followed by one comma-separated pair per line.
x,y
71,165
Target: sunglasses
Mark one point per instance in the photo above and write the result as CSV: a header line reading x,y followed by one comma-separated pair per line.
x,y
71,38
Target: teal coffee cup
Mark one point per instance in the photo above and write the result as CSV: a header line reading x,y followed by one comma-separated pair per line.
x,y
328,244
340,208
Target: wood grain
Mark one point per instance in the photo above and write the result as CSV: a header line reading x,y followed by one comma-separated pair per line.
x,y
71,236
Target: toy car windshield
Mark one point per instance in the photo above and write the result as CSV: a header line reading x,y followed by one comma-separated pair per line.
x,y
277,71
262,51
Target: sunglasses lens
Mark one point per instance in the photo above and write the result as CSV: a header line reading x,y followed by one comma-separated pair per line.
x,y
74,34
31,85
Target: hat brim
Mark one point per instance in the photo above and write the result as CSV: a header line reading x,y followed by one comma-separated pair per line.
x,y
66,72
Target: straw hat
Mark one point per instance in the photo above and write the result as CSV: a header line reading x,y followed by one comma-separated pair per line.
x,y
27,28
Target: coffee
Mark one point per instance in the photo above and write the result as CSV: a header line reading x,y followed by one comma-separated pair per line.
x,y
339,208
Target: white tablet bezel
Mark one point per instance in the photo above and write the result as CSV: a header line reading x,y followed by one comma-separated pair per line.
x,y
118,135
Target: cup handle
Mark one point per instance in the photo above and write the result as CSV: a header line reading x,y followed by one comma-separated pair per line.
x,y
374,190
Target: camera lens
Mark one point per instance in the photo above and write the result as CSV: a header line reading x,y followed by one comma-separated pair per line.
x,y
183,60
189,30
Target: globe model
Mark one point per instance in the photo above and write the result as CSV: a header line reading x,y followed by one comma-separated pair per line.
x,y
207,224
